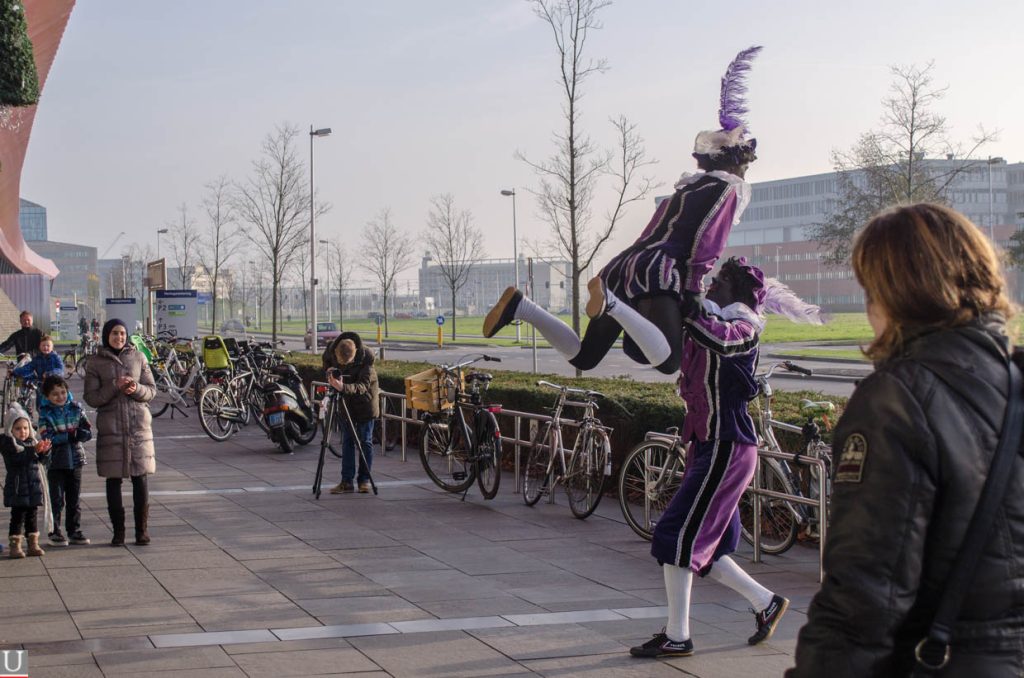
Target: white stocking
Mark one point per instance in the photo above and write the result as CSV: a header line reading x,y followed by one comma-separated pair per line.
x,y
558,334
678,581
726,572
643,332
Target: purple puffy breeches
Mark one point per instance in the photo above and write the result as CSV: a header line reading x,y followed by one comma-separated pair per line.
x,y
701,523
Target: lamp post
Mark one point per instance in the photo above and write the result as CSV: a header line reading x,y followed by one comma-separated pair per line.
x,y
159,232
991,206
515,244
328,250
322,132
778,248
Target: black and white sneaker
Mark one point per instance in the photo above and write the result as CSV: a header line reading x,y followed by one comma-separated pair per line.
x,y
768,618
663,646
598,304
78,539
57,538
503,312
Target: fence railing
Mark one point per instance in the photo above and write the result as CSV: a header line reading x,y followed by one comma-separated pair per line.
x,y
821,502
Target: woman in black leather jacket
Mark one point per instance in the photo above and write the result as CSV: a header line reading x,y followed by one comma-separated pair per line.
x,y
911,455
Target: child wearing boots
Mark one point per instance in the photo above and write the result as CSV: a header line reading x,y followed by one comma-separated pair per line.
x,y
24,489
64,424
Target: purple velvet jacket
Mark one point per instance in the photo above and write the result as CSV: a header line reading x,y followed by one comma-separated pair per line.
x,y
717,373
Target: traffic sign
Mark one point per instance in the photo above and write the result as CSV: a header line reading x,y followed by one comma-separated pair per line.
x,y
440,320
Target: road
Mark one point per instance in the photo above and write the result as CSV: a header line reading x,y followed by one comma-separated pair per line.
x,y
616,364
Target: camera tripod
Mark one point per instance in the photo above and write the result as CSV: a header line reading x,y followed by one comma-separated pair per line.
x,y
335,406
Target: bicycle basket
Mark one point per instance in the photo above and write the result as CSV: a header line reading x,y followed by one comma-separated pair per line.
x,y
215,353
140,345
431,390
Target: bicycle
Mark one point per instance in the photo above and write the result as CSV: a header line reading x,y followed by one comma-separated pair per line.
x,y
76,358
226,406
451,453
590,460
650,476
781,520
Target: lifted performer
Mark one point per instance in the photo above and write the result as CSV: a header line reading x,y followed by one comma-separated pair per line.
x,y
667,263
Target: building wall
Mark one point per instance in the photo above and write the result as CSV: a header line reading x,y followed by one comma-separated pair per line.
x,y
489,277
32,220
77,263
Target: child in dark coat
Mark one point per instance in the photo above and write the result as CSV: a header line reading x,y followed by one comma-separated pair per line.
x,y
64,424
24,485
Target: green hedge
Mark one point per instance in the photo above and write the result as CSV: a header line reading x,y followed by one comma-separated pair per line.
x,y
647,406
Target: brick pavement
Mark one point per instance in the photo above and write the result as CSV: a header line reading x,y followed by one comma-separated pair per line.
x,y
249,575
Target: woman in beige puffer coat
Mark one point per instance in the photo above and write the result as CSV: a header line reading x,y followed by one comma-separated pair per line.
x,y
118,383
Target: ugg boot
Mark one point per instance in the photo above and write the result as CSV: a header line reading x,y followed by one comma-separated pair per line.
x,y
33,545
117,523
142,524
15,547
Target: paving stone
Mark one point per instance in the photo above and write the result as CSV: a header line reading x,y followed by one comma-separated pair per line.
x,y
476,607
145,661
287,646
445,654
245,611
304,663
37,628
168,612
213,638
363,609
336,583
75,671
211,581
619,665
568,640
335,631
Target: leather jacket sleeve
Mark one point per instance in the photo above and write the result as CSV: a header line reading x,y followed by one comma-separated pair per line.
x,y
881,507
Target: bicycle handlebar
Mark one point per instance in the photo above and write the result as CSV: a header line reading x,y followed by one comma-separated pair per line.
x,y
467,363
786,365
569,389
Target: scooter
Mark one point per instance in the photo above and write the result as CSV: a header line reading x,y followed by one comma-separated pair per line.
x,y
288,410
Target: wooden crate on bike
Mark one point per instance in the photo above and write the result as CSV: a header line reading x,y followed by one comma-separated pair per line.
x,y
432,390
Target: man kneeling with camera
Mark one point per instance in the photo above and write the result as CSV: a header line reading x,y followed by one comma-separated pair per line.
x,y
350,371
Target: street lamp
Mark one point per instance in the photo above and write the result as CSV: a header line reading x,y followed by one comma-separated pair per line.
x,y
328,243
991,211
159,232
515,243
778,248
322,132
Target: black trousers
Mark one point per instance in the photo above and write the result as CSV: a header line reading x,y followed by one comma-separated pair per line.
x,y
662,310
140,492
23,516
65,492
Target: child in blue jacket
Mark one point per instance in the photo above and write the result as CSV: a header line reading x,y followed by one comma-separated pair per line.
x,y
64,424
45,363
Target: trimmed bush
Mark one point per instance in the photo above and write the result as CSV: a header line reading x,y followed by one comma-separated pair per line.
x,y
631,409
19,82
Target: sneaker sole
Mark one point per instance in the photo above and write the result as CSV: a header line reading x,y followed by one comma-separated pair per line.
x,y
596,303
771,629
493,320
641,655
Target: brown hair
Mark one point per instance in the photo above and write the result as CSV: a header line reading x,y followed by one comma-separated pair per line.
x,y
926,266
345,351
46,337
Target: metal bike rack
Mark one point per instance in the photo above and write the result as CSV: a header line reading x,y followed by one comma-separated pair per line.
x,y
821,502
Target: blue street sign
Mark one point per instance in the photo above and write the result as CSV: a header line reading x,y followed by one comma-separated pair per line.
x,y
440,320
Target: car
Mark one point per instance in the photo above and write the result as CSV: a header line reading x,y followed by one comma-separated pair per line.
x,y
326,332
232,325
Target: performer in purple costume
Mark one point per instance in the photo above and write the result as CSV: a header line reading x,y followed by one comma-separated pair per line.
x,y
654,276
701,526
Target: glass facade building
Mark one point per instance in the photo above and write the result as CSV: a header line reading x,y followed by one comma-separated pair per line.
x,y
32,220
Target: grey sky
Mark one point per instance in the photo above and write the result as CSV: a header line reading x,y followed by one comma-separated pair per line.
x,y
148,101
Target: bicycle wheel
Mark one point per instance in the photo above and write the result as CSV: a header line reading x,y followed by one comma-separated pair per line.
x,y
538,461
212,404
584,481
778,520
157,408
488,457
80,366
69,363
445,457
649,478
255,406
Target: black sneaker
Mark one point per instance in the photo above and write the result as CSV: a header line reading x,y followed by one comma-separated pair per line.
x,y
503,312
663,646
57,538
768,618
78,539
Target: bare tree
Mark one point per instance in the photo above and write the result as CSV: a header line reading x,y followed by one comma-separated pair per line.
x,y
896,163
220,240
387,252
299,267
274,204
454,243
184,235
341,272
569,178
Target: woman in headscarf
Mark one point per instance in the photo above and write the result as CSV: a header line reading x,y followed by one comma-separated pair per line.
x,y
118,383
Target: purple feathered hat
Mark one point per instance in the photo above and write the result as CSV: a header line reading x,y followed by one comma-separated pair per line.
x,y
757,275
729,142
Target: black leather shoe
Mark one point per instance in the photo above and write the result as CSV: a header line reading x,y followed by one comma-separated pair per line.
x,y
768,618
503,312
